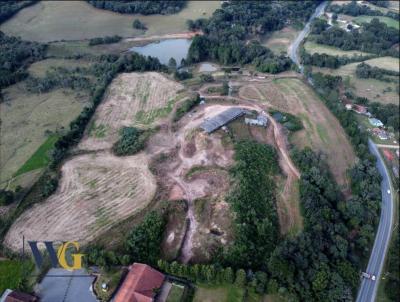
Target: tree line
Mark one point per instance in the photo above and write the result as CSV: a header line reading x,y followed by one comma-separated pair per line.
x,y
140,7
373,37
15,56
353,9
11,7
365,71
105,40
329,61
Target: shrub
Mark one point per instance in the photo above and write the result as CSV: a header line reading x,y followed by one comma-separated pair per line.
x,y
131,141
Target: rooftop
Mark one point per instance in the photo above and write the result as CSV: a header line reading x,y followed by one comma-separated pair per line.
x,y
222,119
140,284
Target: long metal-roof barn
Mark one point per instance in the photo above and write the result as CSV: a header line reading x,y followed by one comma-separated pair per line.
x,y
222,119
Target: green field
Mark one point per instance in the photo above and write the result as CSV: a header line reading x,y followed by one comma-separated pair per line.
x,y
366,19
25,119
389,63
76,20
312,47
372,89
176,293
40,158
39,69
227,293
11,272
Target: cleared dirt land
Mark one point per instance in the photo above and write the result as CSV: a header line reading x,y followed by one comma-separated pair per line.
x,y
372,89
24,119
322,132
132,98
280,40
76,20
96,191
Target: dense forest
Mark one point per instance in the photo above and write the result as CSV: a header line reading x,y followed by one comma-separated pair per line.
x,y
226,31
374,37
10,8
322,263
16,56
392,286
140,7
353,9
253,201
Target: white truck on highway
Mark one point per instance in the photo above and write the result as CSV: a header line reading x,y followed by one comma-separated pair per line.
x,y
368,276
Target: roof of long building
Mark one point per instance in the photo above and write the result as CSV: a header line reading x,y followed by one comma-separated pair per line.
x,y
222,119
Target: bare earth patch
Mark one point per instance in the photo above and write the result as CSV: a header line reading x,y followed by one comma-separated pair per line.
x,y
128,94
95,192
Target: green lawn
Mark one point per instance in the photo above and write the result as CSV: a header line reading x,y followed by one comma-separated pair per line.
x,y
176,292
223,293
366,19
11,274
40,158
312,47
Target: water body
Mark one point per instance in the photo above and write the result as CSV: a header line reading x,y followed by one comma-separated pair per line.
x,y
166,49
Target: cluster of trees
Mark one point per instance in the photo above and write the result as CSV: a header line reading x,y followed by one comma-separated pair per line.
x,y
59,77
216,274
365,71
289,121
140,7
328,61
142,244
229,27
137,24
185,107
353,9
105,40
392,286
10,8
131,140
6,197
388,113
374,37
253,201
237,52
16,55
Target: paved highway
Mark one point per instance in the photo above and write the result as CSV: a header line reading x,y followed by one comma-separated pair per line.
x,y
293,48
369,288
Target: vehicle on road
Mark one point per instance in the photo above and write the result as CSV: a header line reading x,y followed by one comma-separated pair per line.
x,y
388,191
368,276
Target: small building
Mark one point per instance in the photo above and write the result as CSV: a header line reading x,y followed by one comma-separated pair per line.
x,y
140,285
15,296
261,120
222,119
375,122
382,134
349,106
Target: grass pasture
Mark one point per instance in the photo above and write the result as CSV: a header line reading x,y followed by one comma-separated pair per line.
x,y
312,48
389,63
40,158
225,293
372,89
25,119
39,68
76,20
366,19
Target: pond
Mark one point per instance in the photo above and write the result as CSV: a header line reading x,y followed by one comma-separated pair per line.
x,y
166,49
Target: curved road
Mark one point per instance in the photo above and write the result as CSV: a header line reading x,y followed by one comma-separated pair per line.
x,y
293,48
369,288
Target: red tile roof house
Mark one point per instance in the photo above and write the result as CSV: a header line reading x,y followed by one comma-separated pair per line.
x,y
140,284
